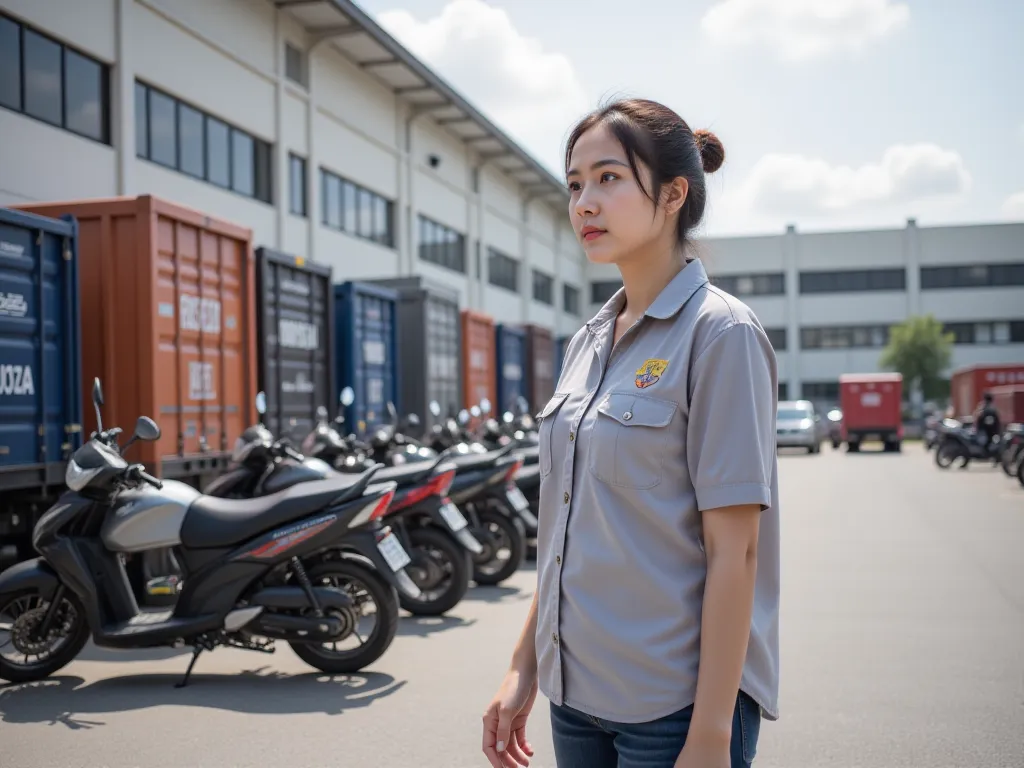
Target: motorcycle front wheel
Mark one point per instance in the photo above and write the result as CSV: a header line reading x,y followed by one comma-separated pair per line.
x,y
946,454
504,540
367,589
440,568
25,657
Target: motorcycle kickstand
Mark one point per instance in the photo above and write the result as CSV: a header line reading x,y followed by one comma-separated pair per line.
x,y
197,649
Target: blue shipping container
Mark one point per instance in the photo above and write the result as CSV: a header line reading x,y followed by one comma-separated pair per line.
x,y
560,346
511,347
365,318
40,353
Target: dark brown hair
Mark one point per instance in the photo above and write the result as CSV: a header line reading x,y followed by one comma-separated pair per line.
x,y
663,142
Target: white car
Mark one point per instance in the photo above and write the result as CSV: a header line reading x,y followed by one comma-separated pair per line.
x,y
796,426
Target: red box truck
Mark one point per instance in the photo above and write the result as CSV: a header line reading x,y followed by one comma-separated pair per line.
x,y
872,409
1009,401
968,384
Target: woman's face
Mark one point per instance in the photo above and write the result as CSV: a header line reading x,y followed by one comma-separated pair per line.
x,y
612,217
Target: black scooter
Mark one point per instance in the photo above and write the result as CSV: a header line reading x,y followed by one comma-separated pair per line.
x,y
959,442
256,570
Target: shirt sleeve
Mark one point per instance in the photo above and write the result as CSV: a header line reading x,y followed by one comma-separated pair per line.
x,y
730,441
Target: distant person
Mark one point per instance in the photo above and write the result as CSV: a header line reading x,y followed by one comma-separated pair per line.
x,y
987,420
654,631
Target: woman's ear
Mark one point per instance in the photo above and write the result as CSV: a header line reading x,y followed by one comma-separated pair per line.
x,y
674,195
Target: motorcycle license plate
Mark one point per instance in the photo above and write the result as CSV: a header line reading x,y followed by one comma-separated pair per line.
x,y
453,517
393,551
517,499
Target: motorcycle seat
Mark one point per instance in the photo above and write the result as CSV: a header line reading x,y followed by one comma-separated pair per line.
x,y
528,473
404,474
212,522
467,461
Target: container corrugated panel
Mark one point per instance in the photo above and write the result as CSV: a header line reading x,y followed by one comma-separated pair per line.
x,y
540,366
367,338
168,325
479,380
1009,402
511,356
429,345
968,385
295,341
40,363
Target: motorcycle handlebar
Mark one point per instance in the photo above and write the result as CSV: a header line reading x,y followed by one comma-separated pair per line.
x,y
136,471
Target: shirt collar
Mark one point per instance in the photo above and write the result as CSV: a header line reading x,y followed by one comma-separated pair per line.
x,y
671,299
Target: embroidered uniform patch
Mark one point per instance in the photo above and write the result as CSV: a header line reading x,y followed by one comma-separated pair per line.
x,y
650,372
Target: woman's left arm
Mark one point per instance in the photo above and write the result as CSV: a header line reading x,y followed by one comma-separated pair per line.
x,y
731,457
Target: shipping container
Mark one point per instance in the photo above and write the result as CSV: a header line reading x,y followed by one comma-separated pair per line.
x,y
968,384
510,342
1009,401
429,346
40,367
540,365
366,320
168,325
479,380
295,341
872,406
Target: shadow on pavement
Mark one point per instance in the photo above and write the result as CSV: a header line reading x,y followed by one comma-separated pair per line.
x,y
424,626
67,701
498,594
93,653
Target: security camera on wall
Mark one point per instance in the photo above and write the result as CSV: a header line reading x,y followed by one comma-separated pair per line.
x,y
434,160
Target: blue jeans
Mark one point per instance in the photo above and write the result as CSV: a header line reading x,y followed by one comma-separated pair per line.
x,y
583,741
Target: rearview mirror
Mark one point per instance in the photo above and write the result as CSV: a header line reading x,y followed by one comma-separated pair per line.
x,y
97,391
475,412
146,429
261,403
348,396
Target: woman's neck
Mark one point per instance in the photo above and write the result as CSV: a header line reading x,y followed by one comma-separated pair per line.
x,y
645,279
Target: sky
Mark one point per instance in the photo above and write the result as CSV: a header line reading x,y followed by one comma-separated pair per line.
x,y
835,114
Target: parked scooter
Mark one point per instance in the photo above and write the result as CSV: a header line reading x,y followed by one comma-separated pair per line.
x,y
1013,449
256,570
959,442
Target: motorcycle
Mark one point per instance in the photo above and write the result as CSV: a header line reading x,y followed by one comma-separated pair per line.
x,y
959,442
1013,449
256,570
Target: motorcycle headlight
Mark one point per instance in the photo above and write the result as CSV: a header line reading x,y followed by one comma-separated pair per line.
x,y
77,478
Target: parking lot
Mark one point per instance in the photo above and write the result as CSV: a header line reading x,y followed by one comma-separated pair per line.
x,y
902,645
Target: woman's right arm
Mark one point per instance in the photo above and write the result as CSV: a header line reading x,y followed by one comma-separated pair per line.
x,y
505,742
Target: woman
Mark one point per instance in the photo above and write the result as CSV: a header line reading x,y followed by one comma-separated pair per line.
x,y
654,629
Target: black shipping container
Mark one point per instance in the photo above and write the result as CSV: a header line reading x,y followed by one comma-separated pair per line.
x,y
429,346
295,341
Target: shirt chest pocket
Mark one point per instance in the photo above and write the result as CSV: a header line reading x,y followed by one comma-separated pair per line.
x,y
546,419
630,440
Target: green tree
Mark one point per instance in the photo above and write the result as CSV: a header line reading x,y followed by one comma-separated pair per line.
x,y
919,349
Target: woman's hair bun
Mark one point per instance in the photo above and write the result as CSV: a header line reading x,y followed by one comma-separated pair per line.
x,y
712,153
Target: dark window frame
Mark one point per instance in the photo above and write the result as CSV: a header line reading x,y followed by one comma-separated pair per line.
x,y
603,288
543,287
829,337
298,197
441,245
853,281
762,283
503,271
965,332
571,299
262,151
348,215
106,137
820,390
949,277
778,337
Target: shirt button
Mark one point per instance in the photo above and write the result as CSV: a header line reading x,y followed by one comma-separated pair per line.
x,y
558,559
627,416
554,638
572,436
565,498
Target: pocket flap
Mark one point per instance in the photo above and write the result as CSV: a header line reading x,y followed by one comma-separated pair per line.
x,y
553,405
637,410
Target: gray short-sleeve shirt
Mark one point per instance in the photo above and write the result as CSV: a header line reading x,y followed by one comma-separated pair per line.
x,y
678,418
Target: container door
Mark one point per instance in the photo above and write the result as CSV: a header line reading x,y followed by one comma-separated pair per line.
x,y
443,368
203,296
478,361
372,364
294,345
511,365
36,314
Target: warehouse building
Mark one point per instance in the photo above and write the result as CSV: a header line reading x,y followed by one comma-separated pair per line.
x,y
828,300
301,119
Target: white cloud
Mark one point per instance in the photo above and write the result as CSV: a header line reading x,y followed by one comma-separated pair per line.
x,y
793,185
533,94
1013,207
803,29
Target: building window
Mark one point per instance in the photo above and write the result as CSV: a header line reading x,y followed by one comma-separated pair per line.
x,y
571,299
777,336
543,288
987,332
179,136
765,284
820,390
442,245
853,281
845,337
973,276
502,270
52,82
355,210
602,290
297,184
295,64
783,390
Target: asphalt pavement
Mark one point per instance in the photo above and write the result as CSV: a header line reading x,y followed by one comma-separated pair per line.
x,y
902,645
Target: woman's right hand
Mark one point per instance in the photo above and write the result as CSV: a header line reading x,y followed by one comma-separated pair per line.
x,y
505,741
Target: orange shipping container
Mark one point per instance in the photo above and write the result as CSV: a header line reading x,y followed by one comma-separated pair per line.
x,y
168,324
478,365
1009,401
